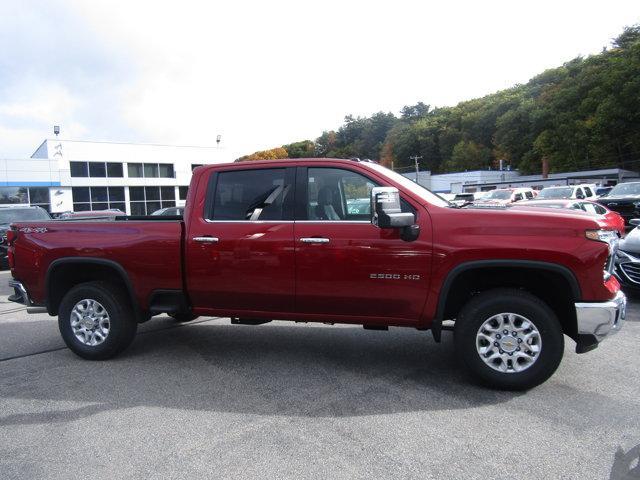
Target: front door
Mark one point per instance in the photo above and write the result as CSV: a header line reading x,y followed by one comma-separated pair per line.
x,y
345,265
239,248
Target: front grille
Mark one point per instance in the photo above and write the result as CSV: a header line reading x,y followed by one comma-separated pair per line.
x,y
631,271
610,264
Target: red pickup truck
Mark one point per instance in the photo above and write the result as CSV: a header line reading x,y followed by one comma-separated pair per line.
x,y
325,240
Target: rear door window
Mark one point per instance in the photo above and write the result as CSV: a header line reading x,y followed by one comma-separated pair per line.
x,y
252,195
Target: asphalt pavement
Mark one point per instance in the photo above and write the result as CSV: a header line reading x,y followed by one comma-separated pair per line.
x,y
208,399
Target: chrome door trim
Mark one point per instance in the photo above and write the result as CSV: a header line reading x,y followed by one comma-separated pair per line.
x,y
206,239
314,240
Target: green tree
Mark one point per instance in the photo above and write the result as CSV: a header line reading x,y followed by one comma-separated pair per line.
x,y
303,149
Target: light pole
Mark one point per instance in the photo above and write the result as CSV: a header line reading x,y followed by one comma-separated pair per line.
x,y
415,158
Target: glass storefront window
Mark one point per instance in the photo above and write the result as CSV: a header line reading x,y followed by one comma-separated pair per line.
x,y
14,195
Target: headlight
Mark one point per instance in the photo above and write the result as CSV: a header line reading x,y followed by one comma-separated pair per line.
x,y
606,236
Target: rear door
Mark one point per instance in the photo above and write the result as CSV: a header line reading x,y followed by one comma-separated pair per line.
x,y
346,267
239,247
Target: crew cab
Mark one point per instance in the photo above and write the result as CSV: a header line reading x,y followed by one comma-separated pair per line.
x,y
278,240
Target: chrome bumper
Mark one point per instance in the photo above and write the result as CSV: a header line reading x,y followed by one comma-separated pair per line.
x,y
598,319
22,296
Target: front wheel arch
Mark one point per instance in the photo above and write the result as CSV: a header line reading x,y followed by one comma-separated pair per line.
x,y
555,284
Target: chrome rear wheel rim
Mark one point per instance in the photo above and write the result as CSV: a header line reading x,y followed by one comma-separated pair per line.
x,y
90,322
508,342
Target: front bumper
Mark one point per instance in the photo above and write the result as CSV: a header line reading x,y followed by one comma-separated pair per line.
x,y
596,320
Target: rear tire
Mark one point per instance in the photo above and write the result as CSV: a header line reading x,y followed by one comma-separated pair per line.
x,y
526,356
96,320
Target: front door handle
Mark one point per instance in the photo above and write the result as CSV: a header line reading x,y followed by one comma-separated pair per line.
x,y
206,239
314,240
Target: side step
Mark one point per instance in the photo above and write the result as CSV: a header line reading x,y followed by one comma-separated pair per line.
x,y
248,321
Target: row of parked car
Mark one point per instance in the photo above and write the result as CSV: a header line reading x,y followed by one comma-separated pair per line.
x,y
624,198
511,195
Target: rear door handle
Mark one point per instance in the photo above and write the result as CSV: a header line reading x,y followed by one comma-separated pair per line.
x,y
314,240
206,239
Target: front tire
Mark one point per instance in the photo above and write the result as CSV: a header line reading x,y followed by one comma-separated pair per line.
x,y
509,339
96,320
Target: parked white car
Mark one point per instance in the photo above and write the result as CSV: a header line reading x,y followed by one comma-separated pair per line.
x,y
573,192
589,190
503,196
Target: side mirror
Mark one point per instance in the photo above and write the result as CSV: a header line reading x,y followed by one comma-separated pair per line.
x,y
634,221
386,212
580,196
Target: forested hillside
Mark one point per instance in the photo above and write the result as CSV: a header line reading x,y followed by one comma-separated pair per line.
x,y
584,114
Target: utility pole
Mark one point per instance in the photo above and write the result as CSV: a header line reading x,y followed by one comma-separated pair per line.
x,y
415,158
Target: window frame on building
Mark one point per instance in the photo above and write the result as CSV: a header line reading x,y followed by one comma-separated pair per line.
x,y
151,170
149,202
94,169
94,200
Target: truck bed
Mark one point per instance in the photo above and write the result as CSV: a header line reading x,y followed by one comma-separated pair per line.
x,y
150,248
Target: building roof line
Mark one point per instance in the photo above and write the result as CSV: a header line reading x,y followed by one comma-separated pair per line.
x,y
130,143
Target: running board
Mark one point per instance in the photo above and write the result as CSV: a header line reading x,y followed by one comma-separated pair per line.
x,y
248,321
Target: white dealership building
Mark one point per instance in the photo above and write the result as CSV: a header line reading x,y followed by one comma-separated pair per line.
x,y
70,175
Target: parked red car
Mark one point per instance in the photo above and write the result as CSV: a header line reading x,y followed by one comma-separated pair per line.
x,y
282,240
613,220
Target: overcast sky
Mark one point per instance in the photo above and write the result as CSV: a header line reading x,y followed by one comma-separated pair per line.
x,y
265,73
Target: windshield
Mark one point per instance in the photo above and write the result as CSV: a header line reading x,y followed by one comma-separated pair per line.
x,y
9,215
500,194
563,192
410,185
625,189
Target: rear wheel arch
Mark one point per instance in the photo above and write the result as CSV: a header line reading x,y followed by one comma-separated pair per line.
x,y
554,284
65,273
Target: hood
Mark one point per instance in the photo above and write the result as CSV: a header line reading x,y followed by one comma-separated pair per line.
x,y
619,198
519,220
631,243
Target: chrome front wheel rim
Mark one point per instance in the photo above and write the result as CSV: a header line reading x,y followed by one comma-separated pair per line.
x,y
508,342
90,322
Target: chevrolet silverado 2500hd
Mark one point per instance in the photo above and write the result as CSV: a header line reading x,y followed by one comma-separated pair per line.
x,y
325,240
